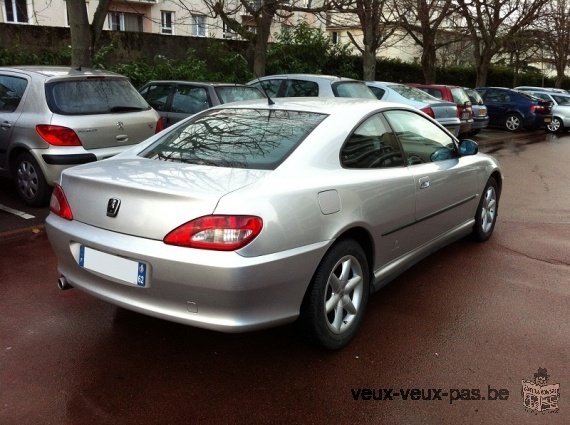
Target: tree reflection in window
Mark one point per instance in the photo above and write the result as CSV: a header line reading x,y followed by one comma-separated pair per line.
x,y
236,138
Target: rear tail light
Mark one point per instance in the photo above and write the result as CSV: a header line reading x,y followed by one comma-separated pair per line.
x,y
216,232
58,203
159,125
57,135
428,111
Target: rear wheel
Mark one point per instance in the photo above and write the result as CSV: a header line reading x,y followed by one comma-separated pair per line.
x,y
513,122
31,184
555,125
486,215
334,305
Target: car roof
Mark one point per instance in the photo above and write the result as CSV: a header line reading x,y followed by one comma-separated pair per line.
x,y
317,104
198,83
307,77
53,71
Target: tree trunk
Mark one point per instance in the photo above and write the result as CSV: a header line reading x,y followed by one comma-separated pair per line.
x,y
428,63
482,70
80,33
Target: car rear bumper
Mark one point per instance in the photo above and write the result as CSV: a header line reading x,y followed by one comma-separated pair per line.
x,y
480,123
215,290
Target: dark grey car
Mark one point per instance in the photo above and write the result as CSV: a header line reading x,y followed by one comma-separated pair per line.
x,y
176,100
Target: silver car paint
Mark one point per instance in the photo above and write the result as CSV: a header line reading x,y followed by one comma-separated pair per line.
x,y
263,283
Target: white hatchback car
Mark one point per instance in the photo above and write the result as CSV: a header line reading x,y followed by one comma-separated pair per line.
x,y
52,118
309,85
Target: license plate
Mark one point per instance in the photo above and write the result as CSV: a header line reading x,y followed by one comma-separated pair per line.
x,y
119,268
547,120
465,116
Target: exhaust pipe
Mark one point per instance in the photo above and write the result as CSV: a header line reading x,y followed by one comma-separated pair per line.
x,y
63,284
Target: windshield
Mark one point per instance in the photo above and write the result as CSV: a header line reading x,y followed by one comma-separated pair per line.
x,y
98,95
236,138
229,94
474,96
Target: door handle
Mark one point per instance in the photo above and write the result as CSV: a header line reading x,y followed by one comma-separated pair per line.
x,y
6,124
424,182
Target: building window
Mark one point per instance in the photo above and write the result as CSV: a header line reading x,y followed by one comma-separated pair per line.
x,y
166,19
335,39
16,11
228,32
199,26
121,21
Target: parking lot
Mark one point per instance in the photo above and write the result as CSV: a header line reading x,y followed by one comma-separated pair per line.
x,y
448,342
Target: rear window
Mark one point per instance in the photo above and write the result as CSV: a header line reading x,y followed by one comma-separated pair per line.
x,y
412,93
229,94
236,138
354,89
97,95
459,96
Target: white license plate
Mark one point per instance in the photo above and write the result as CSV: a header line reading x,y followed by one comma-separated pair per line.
x,y
122,269
465,116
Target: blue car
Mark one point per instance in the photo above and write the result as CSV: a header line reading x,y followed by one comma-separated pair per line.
x,y
515,110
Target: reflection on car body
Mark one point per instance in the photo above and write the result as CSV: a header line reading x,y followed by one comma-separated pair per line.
x,y
252,214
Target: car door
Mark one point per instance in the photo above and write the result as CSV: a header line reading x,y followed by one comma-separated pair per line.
x,y
498,105
12,89
445,183
385,187
158,96
187,99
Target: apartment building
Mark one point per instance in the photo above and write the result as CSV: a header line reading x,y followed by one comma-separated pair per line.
x,y
168,17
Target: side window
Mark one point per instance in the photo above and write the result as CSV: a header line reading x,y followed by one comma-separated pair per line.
x,y
189,99
371,145
270,87
157,96
378,92
422,140
301,88
11,92
435,93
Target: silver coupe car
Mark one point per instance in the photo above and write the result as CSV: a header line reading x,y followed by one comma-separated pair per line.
x,y
258,213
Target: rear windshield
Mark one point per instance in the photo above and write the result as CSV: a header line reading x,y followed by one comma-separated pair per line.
x,y
236,138
354,89
96,95
412,93
459,96
229,94
474,96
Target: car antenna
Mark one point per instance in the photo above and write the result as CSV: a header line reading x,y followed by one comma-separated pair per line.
x,y
269,100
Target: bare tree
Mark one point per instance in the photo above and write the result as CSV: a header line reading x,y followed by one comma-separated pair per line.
x,y
84,36
252,20
493,23
377,23
555,36
424,20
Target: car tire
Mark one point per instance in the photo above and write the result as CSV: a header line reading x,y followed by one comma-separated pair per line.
x,y
334,305
31,185
555,126
513,122
474,132
487,211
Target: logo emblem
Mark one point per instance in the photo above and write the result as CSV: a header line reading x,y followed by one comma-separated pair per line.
x,y
113,207
120,125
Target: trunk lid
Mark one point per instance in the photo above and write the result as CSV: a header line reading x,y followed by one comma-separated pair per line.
x,y
154,197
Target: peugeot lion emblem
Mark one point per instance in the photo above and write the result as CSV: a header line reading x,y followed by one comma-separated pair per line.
x,y
120,125
113,207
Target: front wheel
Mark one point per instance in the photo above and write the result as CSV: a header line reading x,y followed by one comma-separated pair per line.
x,y
335,302
486,215
555,126
513,122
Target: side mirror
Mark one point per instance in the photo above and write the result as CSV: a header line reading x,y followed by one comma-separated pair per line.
x,y
468,147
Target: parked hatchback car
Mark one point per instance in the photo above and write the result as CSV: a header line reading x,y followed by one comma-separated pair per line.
x,y
456,95
442,111
309,85
514,110
264,213
480,115
176,100
52,118
560,111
